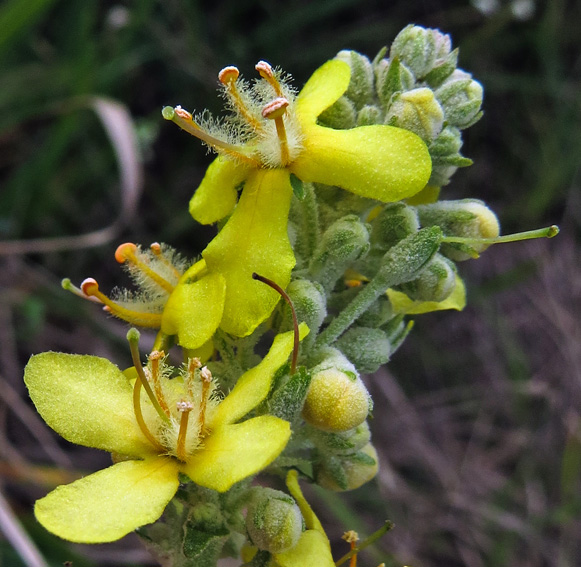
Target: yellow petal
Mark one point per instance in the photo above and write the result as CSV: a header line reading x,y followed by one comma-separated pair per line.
x,y
234,452
402,304
254,385
312,550
216,196
254,239
109,504
311,520
324,88
194,310
87,400
429,194
380,162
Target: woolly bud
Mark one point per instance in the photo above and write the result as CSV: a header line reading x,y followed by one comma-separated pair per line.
x,y
340,116
309,302
418,49
337,399
435,283
273,520
342,243
360,89
377,314
368,115
461,99
342,443
349,472
392,224
468,218
418,111
367,348
446,157
392,77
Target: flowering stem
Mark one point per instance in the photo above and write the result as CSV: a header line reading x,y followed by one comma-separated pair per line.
x,y
366,542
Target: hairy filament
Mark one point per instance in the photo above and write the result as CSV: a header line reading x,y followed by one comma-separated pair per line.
x,y
126,253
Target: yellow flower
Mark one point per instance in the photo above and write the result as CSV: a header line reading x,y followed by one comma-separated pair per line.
x,y
176,426
271,136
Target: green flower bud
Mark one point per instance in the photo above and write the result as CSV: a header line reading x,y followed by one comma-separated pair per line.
x,y
369,115
435,283
418,49
446,157
349,472
392,77
342,243
468,218
340,116
443,68
461,99
337,399
361,88
367,348
341,443
418,111
273,520
309,302
392,224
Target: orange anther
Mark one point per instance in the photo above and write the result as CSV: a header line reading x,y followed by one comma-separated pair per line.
x,y
90,286
156,248
264,70
275,108
228,74
124,252
183,113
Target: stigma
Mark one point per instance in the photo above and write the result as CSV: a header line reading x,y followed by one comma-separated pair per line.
x,y
261,130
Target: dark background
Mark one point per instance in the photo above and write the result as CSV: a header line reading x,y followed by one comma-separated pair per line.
x,y
478,415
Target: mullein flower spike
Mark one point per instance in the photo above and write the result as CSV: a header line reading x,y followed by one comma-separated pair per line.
x,y
271,136
156,428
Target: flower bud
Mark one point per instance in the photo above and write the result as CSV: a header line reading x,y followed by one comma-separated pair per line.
x,y
461,99
349,472
392,77
367,348
418,111
377,314
443,68
340,116
337,399
309,302
468,218
273,520
446,157
368,115
341,443
392,224
418,48
435,283
360,89
342,243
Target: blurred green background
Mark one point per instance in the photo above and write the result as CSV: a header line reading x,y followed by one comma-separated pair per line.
x,y
478,420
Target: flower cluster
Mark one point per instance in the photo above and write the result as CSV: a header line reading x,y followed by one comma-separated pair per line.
x,y
328,197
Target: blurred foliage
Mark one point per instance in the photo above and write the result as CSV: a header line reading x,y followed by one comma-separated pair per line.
x,y
59,176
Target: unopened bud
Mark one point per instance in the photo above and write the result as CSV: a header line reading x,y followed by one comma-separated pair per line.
x,y
337,399
392,224
273,520
392,77
418,48
309,302
446,157
342,243
343,442
418,111
365,347
461,99
467,218
340,116
435,283
349,472
377,314
360,89
368,115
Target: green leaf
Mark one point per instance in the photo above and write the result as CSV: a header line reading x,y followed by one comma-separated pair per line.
x,y
298,187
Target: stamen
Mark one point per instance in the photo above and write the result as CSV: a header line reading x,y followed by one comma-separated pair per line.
x,y
193,364
206,377
90,289
67,285
266,72
126,253
352,538
228,77
154,357
156,249
185,121
286,297
366,542
139,417
184,407
133,338
275,110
